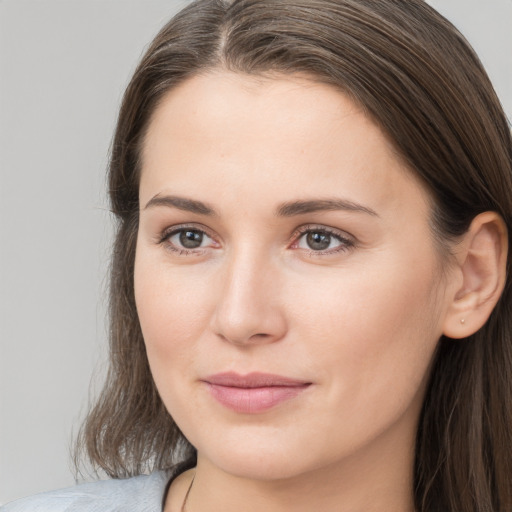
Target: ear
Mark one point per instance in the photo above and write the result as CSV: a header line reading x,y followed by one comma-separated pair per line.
x,y
481,261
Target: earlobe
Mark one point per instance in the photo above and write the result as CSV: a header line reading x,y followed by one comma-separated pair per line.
x,y
482,262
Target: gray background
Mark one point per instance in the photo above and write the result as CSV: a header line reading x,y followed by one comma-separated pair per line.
x,y
63,67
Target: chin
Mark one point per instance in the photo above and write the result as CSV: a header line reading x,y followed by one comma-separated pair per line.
x,y
262,460
264,467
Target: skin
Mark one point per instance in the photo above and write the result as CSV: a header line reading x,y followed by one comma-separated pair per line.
x,y
360,320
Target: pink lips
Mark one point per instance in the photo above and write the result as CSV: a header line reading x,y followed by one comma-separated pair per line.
x,y
254,392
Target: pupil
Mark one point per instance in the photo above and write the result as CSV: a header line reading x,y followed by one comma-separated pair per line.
x,y
191,239
318,241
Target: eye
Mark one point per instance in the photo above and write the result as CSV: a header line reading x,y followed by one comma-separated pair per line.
x,y
322,240
187,239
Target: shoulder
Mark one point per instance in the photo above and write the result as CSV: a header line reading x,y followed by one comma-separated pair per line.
x,y
137,494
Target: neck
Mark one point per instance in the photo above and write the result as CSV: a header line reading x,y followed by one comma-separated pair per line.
x,y
361,483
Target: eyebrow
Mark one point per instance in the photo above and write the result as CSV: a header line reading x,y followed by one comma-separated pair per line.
x,y
300,207
288,209
181,203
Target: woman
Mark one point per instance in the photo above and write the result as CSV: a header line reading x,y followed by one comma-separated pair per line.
x,y
310,303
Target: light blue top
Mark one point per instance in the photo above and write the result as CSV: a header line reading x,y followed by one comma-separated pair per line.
x,y
137,494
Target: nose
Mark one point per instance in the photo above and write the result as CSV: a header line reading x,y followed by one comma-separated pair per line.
x,y
248,310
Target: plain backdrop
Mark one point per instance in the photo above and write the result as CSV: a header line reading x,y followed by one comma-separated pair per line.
x,y
63,67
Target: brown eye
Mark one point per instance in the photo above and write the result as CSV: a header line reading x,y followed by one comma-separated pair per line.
x,y
323,240
191,239
318,241
187,239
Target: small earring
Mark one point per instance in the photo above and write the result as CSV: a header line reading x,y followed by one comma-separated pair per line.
x,y
462,320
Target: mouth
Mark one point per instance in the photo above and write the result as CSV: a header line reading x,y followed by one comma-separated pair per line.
x,y
255,392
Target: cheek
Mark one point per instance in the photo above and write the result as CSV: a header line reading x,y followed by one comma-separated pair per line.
x,y
375,332
173,308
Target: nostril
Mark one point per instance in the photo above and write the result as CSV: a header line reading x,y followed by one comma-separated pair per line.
x,y
246,340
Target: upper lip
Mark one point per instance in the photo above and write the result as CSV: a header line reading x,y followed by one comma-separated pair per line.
x,y
253,380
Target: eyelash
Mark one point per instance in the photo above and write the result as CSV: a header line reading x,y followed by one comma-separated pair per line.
x,y
346,243
170,232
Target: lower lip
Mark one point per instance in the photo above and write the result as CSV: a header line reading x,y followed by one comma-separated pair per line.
x,y
254,400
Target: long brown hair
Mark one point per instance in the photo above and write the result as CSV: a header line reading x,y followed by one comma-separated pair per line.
x,y
418,79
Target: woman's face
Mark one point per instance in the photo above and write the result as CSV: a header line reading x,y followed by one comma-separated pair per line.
x,y
280,234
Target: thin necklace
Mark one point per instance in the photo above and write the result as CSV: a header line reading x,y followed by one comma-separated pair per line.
x,y
184,505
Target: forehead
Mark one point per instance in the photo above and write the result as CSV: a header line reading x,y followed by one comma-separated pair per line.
x,y
238,103
250,134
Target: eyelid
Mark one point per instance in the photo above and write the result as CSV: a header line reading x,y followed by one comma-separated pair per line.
x,y
186,225
168,232
348,240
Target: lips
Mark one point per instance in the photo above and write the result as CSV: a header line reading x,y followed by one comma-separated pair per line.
x,y
254,392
